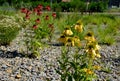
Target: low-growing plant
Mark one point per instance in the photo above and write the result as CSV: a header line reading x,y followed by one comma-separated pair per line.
x,y
9,29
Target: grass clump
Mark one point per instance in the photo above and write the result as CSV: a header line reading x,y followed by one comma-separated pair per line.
x,y
9,29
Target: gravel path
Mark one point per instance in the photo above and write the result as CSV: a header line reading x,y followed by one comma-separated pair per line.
x,y
15,67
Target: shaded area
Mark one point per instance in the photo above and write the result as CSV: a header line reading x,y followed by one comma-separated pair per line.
x,y
10,54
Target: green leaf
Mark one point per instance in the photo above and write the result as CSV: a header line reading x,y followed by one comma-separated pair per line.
x,y
69,78
73,65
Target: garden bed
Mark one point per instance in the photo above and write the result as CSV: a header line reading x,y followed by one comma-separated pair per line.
x,y
33,52
14,66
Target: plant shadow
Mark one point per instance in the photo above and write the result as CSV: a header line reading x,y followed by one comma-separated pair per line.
x,y
10,54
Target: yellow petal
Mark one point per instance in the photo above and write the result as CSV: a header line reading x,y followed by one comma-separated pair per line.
x,y
97,67
67,32
98,55
97,47
79,28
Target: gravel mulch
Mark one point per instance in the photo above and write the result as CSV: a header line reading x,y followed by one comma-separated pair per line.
x,y
15,67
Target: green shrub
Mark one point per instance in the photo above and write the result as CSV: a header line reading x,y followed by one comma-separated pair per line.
x,y
8,29
56,7
97,6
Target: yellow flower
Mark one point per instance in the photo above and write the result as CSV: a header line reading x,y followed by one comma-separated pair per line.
x,y
79,27
88,71
63,39
97,47
76,41
67,32
97,54
79,22
90,37
70,42
91,53
97,67
90,45
93,44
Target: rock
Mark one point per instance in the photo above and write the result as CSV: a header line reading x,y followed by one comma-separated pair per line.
x,y
18,76
4,66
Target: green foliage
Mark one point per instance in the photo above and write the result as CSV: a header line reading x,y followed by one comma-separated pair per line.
x,y
72,66
78,5
102,25
97,6
9,29
56,7
6,9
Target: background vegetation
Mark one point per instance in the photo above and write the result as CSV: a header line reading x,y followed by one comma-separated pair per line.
x,y
58,5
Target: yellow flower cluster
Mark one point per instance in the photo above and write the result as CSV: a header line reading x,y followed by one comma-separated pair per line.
x,y
92,47
67,40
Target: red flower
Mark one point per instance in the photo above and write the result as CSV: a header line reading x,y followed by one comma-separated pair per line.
x,y
40,7
54,15
47,17
37,20
28,12
35,10
48,8
27,16
35,26
23,10
39,12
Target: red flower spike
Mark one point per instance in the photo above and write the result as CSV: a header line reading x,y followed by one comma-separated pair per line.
x,y
23,10
48,8
37,20
54,15
47,17
35,26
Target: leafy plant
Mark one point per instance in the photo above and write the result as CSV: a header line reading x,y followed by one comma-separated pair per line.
x,y
9,29
79,67
40,26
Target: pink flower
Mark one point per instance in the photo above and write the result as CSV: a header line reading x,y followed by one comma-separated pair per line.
x,y
47,17
48,8
39,12
27,16
35,10
37,20
35,26
23,10
28,12
54,15
40,7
